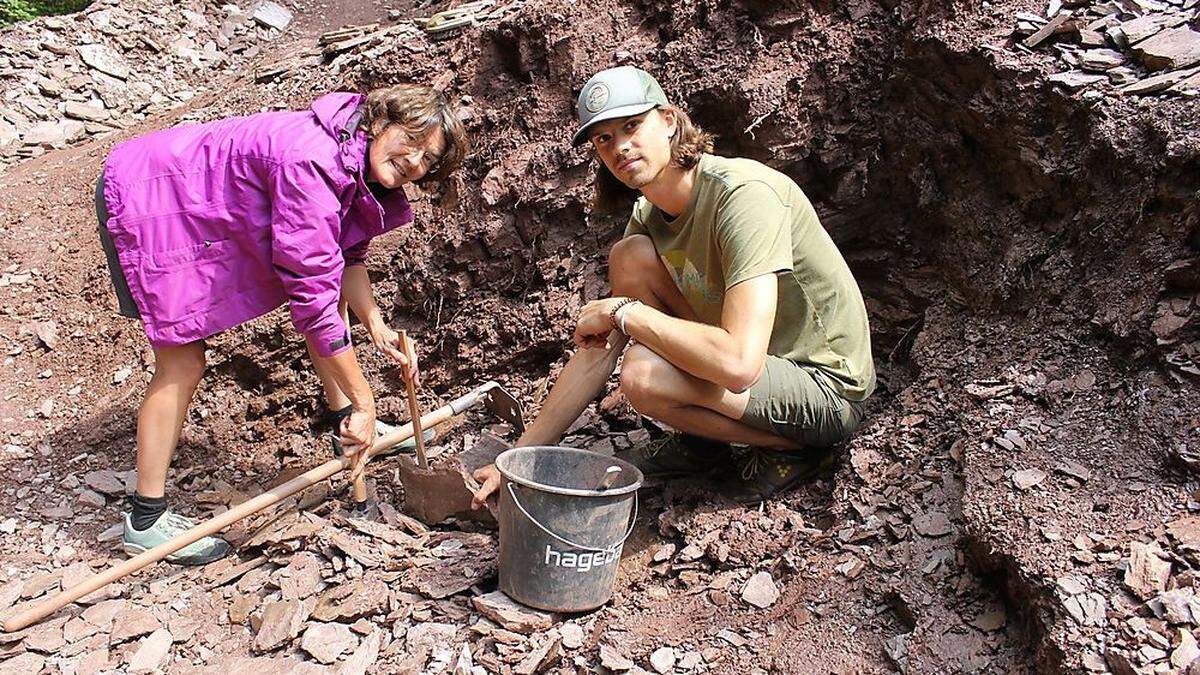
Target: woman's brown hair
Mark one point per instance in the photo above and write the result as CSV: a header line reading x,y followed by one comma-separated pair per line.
x,y
688,143
419,109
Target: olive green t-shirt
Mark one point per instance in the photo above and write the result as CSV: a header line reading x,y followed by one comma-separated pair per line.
x,y
745,220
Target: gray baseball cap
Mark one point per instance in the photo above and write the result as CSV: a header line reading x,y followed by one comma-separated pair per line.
x,y
617,92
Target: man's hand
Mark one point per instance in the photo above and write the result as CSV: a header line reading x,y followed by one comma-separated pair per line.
x,y
388,341
595,323
358,434
489,481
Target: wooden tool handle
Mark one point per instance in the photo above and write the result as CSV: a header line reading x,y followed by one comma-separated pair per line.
x,y
414,408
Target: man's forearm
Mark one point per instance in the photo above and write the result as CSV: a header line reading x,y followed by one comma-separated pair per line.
x,y
708,352
579,383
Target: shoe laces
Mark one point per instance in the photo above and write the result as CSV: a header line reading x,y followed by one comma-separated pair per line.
x,y
175,523
652,448
752,462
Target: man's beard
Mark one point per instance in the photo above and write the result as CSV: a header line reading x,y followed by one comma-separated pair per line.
x,y
641,179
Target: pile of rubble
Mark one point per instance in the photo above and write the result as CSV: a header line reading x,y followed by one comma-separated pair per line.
x,y
1120,46
67,78
1158,610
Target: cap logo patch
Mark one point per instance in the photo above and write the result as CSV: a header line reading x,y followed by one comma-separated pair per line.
x,y
597,97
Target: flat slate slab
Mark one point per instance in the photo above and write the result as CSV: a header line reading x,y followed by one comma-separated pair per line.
x,y
1171,49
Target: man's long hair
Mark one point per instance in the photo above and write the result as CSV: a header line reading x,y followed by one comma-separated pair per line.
x,y
689,142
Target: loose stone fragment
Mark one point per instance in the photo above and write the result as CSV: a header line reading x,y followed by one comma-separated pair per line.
x,y
281,622
690,660
614,660
106,482
302,577
572,635
511,615
1100,60
1147,573
1070,586
46,638
1088,609
1046,31
105,60
272,15
364,657
541,657
933,524
1074,469
1135,30
1073,80
26,662
663,660
131,622
1157,83
1187,651
325,642
1171,49
87,113
760,590
1181,605
151,652
1027,478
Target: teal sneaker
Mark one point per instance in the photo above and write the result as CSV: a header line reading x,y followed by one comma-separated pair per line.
x,y
677,455
168,526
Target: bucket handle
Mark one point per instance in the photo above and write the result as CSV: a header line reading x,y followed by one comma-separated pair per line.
x,y
568,542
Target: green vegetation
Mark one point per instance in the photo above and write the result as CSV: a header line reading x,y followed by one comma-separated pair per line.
x,y
12,11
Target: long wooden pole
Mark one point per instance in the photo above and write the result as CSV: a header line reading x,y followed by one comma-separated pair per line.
x,y
219,522
414,408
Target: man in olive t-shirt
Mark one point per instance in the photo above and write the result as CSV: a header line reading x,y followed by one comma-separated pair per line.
x,y
747,327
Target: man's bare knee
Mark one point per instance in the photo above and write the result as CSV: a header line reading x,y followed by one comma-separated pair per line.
x,y
632,261
641,378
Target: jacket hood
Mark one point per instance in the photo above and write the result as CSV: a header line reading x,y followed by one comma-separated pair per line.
x,y
334,111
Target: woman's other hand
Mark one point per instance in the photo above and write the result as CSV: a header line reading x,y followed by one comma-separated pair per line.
x,y
389,342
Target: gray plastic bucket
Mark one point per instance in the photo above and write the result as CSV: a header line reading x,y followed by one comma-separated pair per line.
x,y
560,536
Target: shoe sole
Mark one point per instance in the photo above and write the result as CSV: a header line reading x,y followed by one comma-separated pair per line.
x,y
137,549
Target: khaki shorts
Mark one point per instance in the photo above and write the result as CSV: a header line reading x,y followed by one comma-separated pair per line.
x,y
795,402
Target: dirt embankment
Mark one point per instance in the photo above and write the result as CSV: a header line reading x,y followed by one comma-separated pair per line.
x,y
1013,242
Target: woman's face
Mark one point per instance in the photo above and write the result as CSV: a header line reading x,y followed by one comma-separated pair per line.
x,y
397,157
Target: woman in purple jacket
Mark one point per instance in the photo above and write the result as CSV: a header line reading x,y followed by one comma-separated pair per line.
x,y
208,226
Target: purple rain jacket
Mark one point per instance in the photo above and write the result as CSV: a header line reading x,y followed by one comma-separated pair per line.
x,y
217,223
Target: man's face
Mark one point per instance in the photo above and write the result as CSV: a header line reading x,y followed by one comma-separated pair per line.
x,y
397,156
636,149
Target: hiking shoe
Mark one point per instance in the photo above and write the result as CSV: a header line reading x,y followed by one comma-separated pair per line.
x,y
763,473
168,526
382,429
676,455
